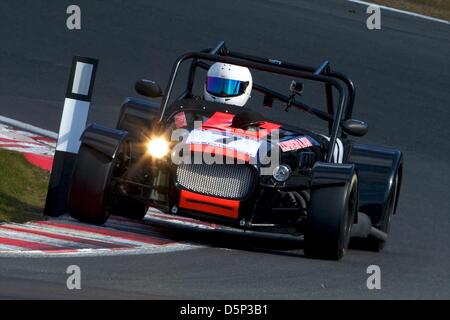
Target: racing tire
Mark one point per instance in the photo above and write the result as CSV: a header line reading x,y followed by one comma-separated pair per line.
x,y
89,189
128,208
329,221
374,244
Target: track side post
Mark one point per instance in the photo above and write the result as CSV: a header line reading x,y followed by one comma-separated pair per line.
x,y
73,123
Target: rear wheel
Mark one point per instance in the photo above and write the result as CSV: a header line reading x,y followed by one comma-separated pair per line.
x,y
89,188
329,221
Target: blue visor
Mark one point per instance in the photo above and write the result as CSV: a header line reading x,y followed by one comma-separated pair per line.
x,y
225,87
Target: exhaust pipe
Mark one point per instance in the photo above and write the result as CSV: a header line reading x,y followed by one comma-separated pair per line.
x,y
380,235
364,228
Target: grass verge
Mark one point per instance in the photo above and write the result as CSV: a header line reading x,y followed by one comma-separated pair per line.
x,y
23,188
434,8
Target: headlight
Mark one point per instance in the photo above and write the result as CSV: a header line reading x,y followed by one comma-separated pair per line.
x,y
281,173
158,147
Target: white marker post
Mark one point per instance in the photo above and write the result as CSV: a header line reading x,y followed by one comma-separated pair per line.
x,y
73,123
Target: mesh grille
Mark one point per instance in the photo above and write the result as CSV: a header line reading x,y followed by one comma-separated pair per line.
x,y
219,180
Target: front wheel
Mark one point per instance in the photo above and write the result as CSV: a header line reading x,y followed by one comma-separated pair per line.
x,y
329,221
90,182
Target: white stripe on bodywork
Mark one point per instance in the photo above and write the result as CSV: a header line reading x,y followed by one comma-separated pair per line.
x,y
341,150
338,151
213,138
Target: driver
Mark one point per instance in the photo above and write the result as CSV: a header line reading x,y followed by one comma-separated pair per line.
x,y
232,84
228,83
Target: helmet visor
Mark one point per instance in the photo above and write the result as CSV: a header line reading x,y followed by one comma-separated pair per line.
x,y
225,87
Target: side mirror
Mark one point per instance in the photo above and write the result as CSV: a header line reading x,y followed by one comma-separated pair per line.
x,y
355,127
148,88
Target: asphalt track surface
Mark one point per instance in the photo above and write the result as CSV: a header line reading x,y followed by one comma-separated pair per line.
x,y
402,76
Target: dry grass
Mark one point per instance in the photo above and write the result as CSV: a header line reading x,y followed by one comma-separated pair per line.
x,y
434,8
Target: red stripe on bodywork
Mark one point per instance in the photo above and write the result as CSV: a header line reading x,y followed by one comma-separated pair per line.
x,y
223,121
64,237
270,126
222,207
107,232
27,244
219,120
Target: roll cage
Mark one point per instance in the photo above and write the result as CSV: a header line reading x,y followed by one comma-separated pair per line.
x,y
324,74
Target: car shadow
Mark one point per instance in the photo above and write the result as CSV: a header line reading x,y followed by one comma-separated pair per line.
x,y
262,242
231,239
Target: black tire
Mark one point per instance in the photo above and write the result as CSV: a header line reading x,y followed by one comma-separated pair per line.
x,y
128,208
374,244
90,182
329,221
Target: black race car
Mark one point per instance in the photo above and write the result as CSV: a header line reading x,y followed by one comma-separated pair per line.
x,y
265,175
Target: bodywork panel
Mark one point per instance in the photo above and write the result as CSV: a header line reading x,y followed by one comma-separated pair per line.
x,y
376,167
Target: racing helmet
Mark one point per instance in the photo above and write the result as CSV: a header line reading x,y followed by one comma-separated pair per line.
x,y
228,83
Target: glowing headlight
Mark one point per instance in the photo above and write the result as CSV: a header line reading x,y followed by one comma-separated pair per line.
x,y
158,147
281,173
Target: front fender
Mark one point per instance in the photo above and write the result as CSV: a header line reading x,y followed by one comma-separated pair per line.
x,y
103,139
331,174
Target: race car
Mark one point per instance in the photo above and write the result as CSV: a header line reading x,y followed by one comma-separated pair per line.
x,y
232,166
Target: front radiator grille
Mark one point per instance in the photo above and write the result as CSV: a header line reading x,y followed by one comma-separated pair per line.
x,y
219,180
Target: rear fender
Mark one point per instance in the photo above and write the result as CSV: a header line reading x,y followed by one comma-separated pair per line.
x,y
377,167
